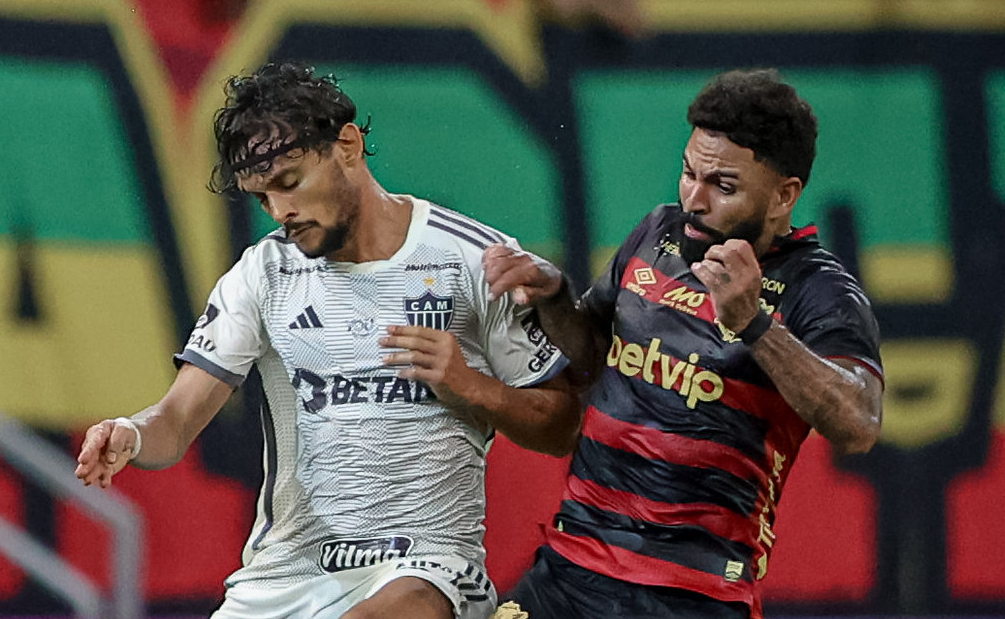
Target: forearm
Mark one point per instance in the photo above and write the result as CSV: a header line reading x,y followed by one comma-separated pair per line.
x,y
164,442
838,402
170,426
574,333
541,418
155,437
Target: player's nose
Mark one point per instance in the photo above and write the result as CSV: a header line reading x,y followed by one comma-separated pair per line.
x,y
281,208
694,197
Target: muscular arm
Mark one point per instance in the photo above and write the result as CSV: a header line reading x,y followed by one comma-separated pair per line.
x,y
573,330
568,326
542,418
840,399
167,429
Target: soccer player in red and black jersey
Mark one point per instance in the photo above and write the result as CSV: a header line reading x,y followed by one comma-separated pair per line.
x,y
717,337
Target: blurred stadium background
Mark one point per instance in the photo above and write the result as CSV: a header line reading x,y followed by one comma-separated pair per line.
x,y
562,122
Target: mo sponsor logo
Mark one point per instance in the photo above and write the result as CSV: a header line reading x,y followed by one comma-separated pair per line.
x,y
684,299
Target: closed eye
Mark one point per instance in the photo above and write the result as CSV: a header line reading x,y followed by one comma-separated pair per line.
x,y
288,181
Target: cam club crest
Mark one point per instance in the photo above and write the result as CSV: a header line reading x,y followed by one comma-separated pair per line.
x,y
429,310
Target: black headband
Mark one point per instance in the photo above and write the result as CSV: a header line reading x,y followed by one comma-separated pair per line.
x,y
254,160
302,141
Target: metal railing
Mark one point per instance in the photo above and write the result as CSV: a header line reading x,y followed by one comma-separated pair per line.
x,y
52,469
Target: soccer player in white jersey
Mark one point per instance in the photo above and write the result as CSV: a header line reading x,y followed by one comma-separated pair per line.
x,y
387,366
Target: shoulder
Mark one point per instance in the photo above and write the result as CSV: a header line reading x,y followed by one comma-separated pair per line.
x,y
275,247
665,214
801,261
826,307
459,237
652,234
272,246
816,269
273,252
655,224
813,284
467,232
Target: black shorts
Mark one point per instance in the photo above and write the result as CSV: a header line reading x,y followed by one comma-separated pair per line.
x,y
556,588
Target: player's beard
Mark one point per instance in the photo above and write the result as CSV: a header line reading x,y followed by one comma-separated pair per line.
x,y
693,250
334,237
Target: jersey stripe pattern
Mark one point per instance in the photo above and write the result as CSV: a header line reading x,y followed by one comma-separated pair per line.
x,y
361,465
686,443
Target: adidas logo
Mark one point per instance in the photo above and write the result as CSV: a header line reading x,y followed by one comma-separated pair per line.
x,y
307,319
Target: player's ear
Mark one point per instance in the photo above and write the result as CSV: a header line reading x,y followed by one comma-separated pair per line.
x,y
350,143
784,199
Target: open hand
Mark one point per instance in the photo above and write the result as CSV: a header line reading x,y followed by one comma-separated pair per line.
x,y
108,446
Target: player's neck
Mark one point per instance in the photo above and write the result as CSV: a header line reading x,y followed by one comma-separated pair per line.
x,y
381,228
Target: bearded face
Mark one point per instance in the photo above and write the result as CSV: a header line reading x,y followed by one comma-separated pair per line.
x,y
726,193
327,232
693,249
309,194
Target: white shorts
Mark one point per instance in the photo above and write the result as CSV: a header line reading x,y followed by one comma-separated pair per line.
x,y
329,596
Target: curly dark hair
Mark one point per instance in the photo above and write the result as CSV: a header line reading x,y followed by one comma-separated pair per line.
x,y
756,110
283,104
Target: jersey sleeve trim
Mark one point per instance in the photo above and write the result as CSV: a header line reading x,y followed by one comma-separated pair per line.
x,y
866,363
188,356
560,364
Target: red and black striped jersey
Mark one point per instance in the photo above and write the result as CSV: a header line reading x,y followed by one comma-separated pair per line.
x,y
686,442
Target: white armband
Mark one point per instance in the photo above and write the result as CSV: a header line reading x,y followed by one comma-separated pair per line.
x,y
139,437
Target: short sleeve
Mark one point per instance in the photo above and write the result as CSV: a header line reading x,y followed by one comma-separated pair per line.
x,y
515,346
834,318
228,338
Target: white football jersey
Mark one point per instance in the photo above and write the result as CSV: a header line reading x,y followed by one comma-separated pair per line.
x,y
360,465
